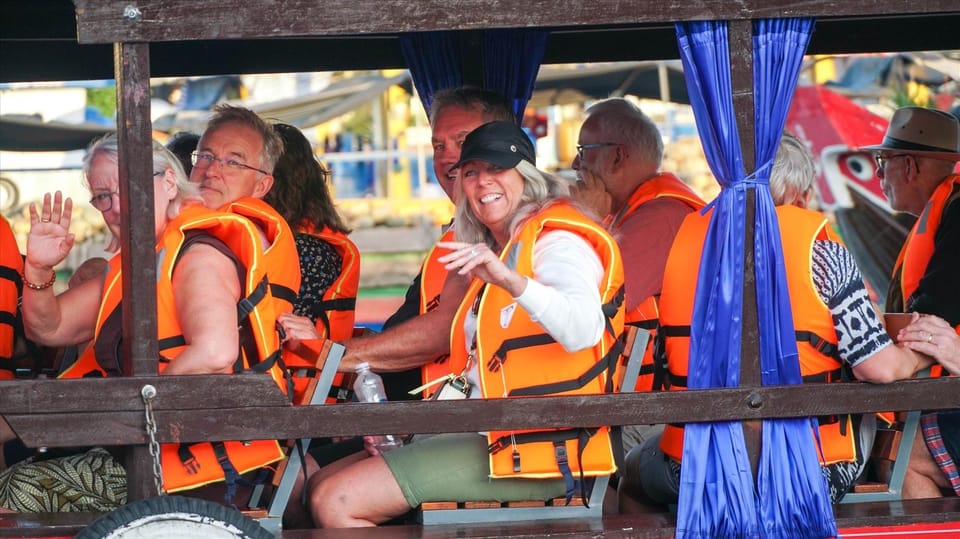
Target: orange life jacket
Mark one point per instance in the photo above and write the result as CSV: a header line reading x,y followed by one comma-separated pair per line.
x,y
11,266
813,323
335,313
281,252
187,466
516,358
646,314
432,277
915,254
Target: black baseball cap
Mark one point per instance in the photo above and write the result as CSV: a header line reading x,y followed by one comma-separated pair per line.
x,y
503,144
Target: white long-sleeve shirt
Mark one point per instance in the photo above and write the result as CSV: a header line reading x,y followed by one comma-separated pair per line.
x,y
562,295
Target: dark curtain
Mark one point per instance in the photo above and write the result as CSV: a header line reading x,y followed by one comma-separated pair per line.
x,y
511,61
433,59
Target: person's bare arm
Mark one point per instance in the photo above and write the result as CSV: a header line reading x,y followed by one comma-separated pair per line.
x,y
890,364
48,244
206,290
414,342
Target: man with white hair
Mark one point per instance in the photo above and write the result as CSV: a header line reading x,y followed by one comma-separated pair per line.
x,y
619,154
838,333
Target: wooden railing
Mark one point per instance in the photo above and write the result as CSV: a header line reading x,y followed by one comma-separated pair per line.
x,y
242,407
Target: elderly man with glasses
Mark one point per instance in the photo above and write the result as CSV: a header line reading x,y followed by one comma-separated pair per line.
x,y
619,153
916,163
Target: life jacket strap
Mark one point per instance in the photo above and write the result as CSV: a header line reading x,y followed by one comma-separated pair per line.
x,y
649,325
170,342
319,310
230,473
560,455
820,344
507,346
611,308
283,292
10,274
187,459
607,363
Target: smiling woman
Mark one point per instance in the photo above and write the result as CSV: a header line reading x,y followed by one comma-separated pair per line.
x,y
543,307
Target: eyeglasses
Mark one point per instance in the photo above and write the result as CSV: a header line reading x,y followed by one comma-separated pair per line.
x,y
581,147
882,160
104,201
203,160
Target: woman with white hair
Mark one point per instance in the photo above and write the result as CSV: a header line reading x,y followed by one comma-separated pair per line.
x,y
207,262
541,317
839,334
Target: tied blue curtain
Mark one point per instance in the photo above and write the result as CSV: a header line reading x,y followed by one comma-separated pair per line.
x,y
433,59
511,60
794,499
716,483
717,493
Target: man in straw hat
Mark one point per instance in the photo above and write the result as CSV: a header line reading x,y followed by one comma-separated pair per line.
x,y
915,163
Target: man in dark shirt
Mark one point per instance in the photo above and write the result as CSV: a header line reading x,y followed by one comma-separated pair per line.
x,y
412,338
915,163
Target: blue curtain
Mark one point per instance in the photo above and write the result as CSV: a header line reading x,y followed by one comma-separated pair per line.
x,y
433,59
716,483
511,60
794,499
717,493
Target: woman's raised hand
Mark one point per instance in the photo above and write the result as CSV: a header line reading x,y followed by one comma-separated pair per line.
x,y
50,239
477,260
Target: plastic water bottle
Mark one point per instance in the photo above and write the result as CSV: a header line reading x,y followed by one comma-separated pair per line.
x,y
369,388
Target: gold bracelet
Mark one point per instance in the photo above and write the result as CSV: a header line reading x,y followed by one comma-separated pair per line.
x,y
44,286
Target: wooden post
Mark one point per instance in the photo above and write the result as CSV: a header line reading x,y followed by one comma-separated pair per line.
x,y
741,74
137,237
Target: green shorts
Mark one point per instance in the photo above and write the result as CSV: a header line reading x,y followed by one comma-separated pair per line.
x,y
454,467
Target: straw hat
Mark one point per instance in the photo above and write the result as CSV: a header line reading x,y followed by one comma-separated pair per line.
x,y
923,132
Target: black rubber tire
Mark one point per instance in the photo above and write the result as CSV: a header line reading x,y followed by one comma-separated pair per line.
x,y
174,516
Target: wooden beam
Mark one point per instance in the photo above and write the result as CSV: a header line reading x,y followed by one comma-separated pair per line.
x,y
106,21
112,394
741,82
137,235
180,420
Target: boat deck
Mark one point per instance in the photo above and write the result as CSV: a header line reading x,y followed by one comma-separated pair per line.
x,y
934,518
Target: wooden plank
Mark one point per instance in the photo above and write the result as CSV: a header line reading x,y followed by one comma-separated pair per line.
x,y
527,503
741,79
437,506
137,236
562,502
116,394
283,422
486,505
39,43
870,487
104,21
